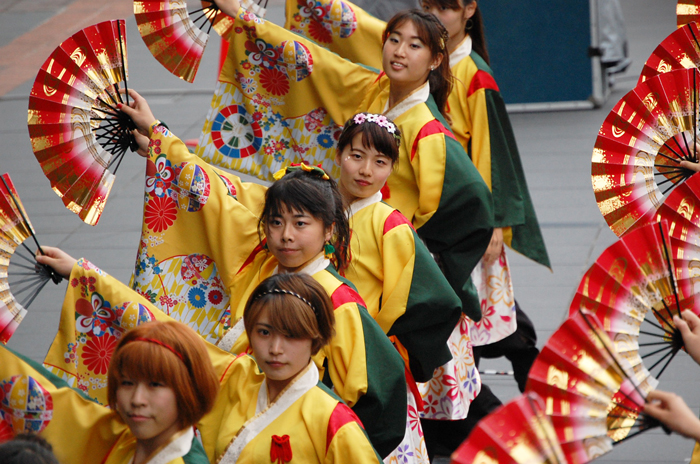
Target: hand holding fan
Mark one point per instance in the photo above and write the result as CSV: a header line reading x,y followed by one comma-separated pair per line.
x,y
78,135
17,280
590,393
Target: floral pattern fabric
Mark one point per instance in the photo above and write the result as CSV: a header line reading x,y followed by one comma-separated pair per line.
x,y
81,356
412,448
455,384
495,291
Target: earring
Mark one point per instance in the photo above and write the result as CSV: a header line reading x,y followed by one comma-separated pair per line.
x,y
432,68
469,25
328,250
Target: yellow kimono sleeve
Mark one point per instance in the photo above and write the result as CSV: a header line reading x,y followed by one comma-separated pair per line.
x,y
215,213
430,175
280,99
32,400
96,311
340,26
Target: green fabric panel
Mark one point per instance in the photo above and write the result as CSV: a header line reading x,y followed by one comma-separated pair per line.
x,y
196,455
461,228
510,190
432,312
51,377
507,182
382,409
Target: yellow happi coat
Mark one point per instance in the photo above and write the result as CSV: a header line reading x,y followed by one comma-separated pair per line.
x,y
78,429
306,423
401,284
435,185
189,264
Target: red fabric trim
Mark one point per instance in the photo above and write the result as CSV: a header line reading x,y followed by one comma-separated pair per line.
x,y
386,193
340,416
381,73
482,80
395,219
253,254
413,388
345,294
430,128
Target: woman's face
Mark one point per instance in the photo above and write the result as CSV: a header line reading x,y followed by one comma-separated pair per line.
x,y
149,408
295,238
363,170
406,59
453,20
280,357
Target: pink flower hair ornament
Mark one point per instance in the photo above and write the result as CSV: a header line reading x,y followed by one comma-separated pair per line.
x,y
380,120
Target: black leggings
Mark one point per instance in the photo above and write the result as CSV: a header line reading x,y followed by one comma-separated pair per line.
x,y
443,437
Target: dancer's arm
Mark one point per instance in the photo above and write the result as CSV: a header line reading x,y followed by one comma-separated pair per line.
x,y
674,413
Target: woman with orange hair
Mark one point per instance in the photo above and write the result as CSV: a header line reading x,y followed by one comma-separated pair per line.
x,y
160,384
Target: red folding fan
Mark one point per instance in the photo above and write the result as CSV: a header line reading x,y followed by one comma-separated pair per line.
x,y
78,135
680,50
687,11
18,280
177,35
590,393
518,432
641,144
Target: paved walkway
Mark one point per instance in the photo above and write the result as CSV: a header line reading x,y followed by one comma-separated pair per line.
x,y
555,147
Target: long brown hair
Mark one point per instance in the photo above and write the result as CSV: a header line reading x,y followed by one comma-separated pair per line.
x,y
434,36
475,30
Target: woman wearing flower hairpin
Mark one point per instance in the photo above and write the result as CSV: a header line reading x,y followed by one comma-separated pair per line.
x,y
233,235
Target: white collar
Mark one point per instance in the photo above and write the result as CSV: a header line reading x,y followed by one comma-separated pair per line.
x,y
317,265
462,51
266,413
363,203
177,448
418,96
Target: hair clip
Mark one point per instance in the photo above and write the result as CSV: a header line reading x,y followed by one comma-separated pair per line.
x,y
301,166
285,292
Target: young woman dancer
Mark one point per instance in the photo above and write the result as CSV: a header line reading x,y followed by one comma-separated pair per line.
x,y
284,412
160,383
225,238
404,289
480,123
435,184
273,405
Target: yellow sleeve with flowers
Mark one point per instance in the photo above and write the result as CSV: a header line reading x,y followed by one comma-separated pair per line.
x,y
200,226
340,26
96,311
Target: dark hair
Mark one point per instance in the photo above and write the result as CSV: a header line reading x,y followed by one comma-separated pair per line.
x,y
300,190
476,30
434,36
176,356
373,135
27,448
312,317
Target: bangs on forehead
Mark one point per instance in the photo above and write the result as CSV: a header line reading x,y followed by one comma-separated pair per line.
x,y
145,361
423,33
287,315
